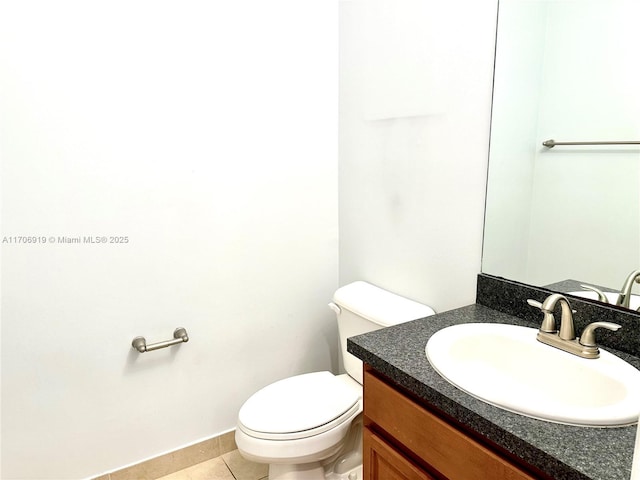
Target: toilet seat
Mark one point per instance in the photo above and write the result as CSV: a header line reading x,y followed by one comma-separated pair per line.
x,y
299,407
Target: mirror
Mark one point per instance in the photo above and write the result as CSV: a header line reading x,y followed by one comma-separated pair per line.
x,y
565,70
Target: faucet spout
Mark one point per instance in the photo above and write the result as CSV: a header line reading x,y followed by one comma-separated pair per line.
x,y
625,293
567,329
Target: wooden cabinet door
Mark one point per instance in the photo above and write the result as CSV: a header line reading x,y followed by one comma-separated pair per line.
x,y
382,462
449,451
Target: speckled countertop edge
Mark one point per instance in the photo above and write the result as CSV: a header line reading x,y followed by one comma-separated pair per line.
x,y
562,451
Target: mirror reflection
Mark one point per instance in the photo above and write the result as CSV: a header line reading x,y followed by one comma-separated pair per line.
x,y
568,215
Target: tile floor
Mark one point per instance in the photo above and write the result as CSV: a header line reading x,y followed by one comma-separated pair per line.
x,y
230,466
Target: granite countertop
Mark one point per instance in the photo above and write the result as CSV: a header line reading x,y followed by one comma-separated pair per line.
x,y
570,285
562,451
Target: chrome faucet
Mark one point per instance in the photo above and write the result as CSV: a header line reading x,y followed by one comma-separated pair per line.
x,y
566,340
625,293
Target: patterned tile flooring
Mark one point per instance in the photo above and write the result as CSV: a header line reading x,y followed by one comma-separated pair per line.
x,y
230,466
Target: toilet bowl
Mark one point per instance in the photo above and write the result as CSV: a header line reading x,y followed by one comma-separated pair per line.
x,y
309,426
298,422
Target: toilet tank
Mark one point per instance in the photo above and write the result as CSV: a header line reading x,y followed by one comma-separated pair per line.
x,y
362,307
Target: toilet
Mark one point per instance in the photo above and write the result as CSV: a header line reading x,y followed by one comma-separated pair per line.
x,y
309,427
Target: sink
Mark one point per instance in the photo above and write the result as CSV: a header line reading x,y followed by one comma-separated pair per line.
x,y
612,297
506,366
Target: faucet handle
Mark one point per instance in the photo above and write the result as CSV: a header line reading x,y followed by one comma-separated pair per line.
x,y
588,337
601,296
549,321
534,303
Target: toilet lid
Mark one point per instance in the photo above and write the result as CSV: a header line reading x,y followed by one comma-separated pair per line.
x,y
297,406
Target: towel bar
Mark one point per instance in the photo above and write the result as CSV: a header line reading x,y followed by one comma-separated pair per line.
x,y
553,143
179,336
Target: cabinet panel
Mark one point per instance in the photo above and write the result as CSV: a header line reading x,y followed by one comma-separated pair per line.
x,y
447,449
382,462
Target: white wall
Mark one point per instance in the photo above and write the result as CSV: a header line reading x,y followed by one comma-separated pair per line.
x,y
205,132
415,101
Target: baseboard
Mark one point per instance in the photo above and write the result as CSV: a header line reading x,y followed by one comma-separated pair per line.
x,y
177,460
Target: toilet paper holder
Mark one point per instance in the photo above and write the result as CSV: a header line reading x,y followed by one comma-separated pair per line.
x,y
179,336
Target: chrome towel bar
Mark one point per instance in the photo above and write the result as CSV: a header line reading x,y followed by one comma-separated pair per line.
x,y
553,143
179,336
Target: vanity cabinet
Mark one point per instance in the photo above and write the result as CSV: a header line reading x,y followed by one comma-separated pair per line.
x,y
405,440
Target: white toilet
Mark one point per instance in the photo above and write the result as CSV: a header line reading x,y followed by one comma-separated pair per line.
x,y
309,427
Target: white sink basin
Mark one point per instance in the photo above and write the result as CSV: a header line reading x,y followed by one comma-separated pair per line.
x,y
506,366
634,301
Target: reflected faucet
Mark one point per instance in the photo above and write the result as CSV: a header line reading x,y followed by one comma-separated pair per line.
x,y
601,296
625,293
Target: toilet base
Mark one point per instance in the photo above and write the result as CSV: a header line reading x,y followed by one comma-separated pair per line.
x,y
355,474
346,465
